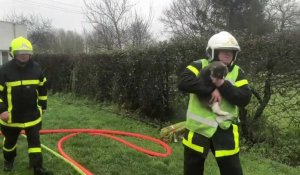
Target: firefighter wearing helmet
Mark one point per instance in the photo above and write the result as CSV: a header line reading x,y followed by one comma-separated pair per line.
x,y
204,132
23,100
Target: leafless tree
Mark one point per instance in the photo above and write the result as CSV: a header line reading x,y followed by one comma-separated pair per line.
x,y
110,20
284,13
40,30
67,42
139,31
45,38
102,38
188,17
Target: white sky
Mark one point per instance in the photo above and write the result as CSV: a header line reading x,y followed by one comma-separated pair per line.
x,y
67,14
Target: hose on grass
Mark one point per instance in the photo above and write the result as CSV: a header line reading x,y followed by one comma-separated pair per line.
x,y
60,157
105,133
108,134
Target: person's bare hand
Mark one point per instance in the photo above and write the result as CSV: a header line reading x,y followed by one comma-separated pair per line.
x,y
215,96
4,116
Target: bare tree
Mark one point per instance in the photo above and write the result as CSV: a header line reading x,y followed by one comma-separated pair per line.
x,y
67,42
110,19
46,39
285,14
189,17
139,31
39,29
204,17
102,38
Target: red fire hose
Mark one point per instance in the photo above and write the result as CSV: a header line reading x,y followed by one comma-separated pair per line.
x,y
109,134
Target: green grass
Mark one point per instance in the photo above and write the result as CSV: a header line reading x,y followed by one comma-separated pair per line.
x,y
104,156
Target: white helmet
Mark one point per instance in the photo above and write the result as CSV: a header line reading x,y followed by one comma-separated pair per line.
x,y
222,41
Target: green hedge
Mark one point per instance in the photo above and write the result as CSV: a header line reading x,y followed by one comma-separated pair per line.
x,y
146,80
138,80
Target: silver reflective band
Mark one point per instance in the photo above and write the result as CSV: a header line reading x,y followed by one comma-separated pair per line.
x,y
203,120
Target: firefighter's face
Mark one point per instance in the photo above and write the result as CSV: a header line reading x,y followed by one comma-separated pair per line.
x,y
23,58
226,56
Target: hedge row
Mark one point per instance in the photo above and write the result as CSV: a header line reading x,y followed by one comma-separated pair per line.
x,y
145,80
138,80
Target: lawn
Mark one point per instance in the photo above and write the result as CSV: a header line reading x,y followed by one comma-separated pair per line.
x,y
104,156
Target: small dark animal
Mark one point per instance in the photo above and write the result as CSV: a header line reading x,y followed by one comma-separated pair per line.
x,y
216,69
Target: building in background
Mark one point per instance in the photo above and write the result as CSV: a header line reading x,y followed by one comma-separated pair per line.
x,y
9,31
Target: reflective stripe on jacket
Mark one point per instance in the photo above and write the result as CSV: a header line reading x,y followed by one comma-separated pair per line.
x,y
200,118
23,94
224,142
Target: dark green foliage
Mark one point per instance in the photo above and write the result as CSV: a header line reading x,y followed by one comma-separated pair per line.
x,y
279,144
138,80
146,80
93,76
58,69
242,15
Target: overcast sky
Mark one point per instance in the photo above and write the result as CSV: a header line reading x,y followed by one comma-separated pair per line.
x,y
67,14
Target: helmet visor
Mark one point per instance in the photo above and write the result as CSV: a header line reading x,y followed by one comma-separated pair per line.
x,y
25,52
233,48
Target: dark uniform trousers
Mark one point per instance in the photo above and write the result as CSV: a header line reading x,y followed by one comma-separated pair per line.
x,y
194,161
11,135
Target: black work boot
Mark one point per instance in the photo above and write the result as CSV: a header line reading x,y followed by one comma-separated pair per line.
x,y
42,171
8,165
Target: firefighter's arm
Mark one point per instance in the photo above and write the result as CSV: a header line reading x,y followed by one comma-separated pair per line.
x,y
3,106
42,92
190,81
238,94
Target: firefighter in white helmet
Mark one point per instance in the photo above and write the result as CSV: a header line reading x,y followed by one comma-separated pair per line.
x,y
204,132
23,100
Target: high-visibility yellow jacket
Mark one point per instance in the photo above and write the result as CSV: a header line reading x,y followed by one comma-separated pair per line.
x,y
235,92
